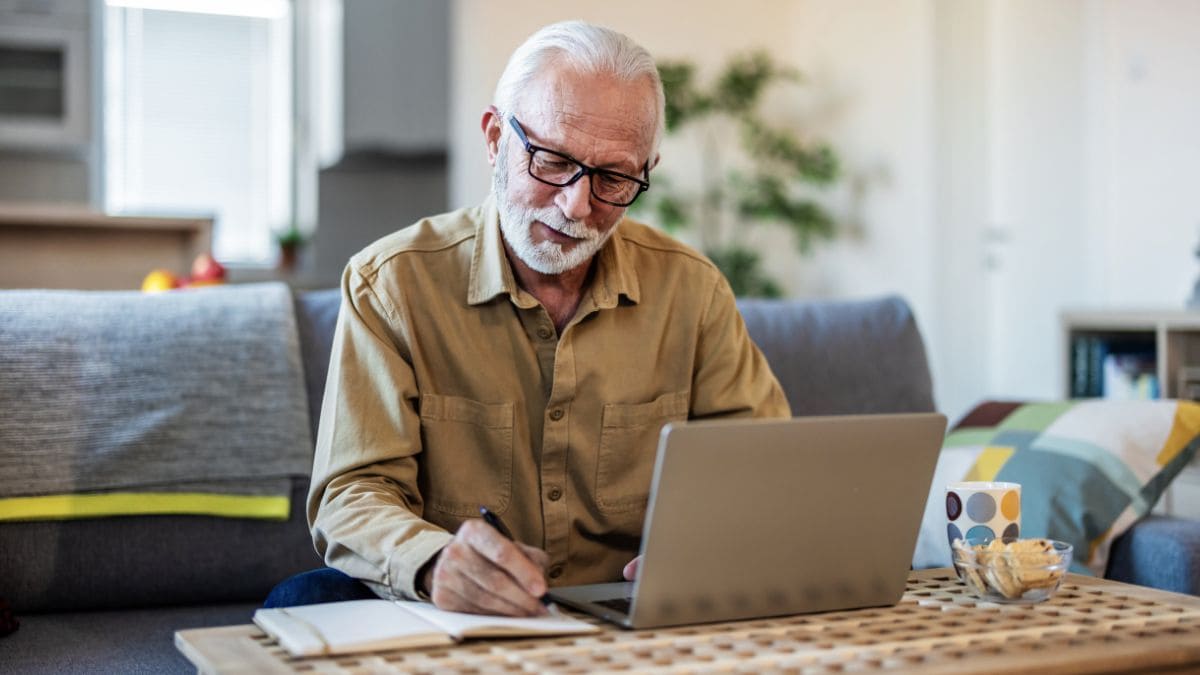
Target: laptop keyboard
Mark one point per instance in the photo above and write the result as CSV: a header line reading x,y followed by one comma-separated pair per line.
x,y
619,604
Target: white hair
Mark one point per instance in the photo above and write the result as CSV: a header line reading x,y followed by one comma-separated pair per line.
x,y
587,48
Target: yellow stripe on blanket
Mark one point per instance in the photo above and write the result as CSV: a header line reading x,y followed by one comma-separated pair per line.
x,y
1185,428
65,507
989,462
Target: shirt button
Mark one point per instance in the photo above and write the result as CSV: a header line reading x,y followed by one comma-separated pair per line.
x,y
556,414
556,572
544,333
555,494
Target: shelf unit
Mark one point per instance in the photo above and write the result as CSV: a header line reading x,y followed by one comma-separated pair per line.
x,y
58,246
1172,337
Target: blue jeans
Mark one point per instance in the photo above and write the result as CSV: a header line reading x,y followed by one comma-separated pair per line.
x,y
317,586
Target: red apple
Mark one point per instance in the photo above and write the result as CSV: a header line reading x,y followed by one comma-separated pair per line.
x,y
206,268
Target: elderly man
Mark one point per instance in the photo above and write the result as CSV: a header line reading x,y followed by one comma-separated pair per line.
x,y
523,356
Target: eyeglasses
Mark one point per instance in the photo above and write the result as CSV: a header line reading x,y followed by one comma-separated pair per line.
x,y
559,170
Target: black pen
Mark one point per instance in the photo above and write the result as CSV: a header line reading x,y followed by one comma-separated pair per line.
x,y
498,525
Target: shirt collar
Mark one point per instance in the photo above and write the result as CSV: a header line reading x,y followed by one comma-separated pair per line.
x,y
492,275
615,275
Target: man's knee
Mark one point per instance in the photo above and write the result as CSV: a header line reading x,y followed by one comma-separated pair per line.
x,y
315,587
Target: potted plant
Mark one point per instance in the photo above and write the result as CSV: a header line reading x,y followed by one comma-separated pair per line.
x,y
290,241
774,179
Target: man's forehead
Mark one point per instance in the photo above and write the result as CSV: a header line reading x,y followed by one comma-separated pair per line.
x,y
562,104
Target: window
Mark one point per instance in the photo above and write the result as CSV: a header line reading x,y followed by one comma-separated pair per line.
x,y
199,118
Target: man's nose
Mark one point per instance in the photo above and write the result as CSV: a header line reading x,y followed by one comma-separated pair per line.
x,y
575,200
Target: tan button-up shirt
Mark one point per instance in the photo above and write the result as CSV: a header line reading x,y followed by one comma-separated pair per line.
x,y
449,389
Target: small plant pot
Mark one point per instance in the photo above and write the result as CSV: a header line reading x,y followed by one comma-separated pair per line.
x,y
289,257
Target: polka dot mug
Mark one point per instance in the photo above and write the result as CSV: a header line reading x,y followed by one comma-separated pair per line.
x,y
983,510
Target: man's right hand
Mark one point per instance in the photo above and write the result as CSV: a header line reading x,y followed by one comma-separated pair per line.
x,y
483,572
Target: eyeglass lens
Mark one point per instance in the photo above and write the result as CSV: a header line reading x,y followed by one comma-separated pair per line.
x,y
558,170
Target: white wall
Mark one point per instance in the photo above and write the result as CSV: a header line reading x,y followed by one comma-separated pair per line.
x,y
1036,235
1146,96
958,327
870,74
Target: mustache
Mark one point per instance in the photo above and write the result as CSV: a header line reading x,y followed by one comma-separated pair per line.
x,y
554,219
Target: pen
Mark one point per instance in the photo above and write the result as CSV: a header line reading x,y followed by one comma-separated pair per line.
x,y
498,525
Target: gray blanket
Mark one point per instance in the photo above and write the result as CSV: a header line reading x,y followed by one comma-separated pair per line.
x,y
187,390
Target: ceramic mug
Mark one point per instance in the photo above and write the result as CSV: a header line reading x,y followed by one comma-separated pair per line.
x,y
983,510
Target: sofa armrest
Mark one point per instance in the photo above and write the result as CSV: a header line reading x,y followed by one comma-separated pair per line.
x,y
1160,552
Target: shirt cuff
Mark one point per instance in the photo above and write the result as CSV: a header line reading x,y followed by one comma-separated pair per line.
x,y
404,563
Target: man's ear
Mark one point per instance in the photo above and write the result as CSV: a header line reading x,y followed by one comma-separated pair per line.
x,y
490,123
654,161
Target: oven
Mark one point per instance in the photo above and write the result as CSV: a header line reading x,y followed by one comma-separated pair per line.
x,y
45,65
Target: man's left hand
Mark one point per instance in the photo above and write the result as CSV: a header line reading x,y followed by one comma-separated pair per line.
x,y
631,569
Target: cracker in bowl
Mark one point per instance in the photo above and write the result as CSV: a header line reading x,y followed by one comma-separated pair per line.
x,y
1014,570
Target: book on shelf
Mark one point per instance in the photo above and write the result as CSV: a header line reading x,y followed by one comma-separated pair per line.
x,y
377,624
1080,365
1129,377
1118,367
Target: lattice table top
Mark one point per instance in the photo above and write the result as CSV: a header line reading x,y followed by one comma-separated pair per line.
x,y
1092,625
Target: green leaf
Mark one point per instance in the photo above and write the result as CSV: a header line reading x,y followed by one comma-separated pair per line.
x,y
781,162
743,269
683,100
814,163
670,212
290,237
741,85
765,197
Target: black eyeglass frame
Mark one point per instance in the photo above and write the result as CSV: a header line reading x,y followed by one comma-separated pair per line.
x,y
584,169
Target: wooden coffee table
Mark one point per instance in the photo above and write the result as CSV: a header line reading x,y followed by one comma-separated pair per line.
x,y
1092,625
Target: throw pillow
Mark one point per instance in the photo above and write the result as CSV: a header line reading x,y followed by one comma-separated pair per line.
x,y
1088,469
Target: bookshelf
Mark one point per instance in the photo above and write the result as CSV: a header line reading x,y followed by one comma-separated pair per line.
x,y
1162,345
1153,354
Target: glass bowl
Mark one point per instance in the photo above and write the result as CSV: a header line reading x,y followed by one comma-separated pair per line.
x,y
1011,570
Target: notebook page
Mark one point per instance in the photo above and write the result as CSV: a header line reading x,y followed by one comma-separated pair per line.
x,y
356,626
462,625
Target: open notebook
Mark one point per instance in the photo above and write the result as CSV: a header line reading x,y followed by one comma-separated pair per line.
x,y
377,625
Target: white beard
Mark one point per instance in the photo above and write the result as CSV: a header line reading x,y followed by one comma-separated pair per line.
x,y
547,257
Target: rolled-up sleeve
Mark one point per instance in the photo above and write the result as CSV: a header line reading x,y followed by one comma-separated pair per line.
x,y
364,506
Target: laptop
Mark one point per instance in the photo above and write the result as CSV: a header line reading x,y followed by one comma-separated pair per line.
x,y
756,518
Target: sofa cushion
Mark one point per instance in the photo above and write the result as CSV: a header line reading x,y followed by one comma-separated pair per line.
x,y
175,394
843,357
1161,552
146,561
316,317
1088,469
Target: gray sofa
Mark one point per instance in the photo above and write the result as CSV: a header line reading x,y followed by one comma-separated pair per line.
x,y
107,594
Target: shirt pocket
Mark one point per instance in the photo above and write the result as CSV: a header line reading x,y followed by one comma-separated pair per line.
x,y
467,450
628,445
